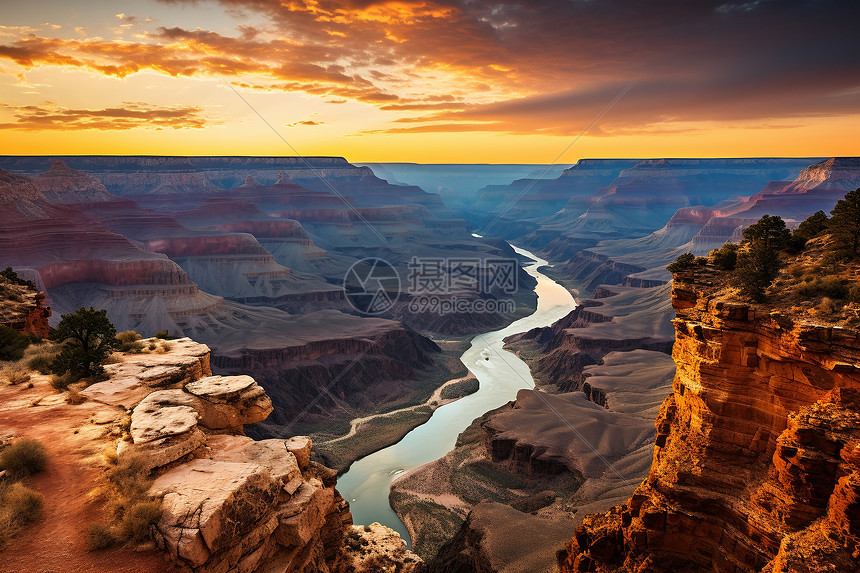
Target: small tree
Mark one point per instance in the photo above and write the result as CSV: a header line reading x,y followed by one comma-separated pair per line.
x,y
845,224
758,262
757,267
682,263
726,259
768,232
88,337
811,227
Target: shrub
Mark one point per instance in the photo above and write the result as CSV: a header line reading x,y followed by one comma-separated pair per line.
x,y
758,263
19,506
854,293
138,519
164,335
88,337
682,263
75,397
812,227
23,502
726,258
769,232
845,224
129,341
61,382
40,357
11,276
23,457
12,344
100,536
830,287
14,375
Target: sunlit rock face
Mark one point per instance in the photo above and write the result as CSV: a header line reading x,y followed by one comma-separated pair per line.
x,y
227,502
755,466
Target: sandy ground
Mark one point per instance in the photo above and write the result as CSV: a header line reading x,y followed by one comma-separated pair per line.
x,y
436,397
73,438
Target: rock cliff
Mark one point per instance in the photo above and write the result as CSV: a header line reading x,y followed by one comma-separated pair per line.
x,y
756,464
228,503
22,309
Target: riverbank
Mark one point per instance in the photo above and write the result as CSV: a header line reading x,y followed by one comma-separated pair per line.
x,y
501,375
369,434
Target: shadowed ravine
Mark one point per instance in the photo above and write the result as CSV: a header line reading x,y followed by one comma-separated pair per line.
x,y
501,375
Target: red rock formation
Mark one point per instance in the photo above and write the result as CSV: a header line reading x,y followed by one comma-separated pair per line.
x,y
22,309
757,464
63,185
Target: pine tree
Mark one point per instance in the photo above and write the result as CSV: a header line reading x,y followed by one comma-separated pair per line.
x,y
845,224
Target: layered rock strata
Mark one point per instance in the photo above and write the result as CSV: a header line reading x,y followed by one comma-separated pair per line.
x,y
229,503
756,464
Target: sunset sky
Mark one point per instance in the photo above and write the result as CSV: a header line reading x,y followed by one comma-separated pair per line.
x,y
448,81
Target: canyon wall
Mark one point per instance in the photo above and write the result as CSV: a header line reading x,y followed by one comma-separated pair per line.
x,y
756,464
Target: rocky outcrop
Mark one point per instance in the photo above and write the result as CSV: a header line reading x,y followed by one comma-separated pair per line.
x,y
841,173
755,466
229,503
63,185
22,309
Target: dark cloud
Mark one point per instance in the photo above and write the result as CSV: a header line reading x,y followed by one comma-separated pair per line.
x,y
548,67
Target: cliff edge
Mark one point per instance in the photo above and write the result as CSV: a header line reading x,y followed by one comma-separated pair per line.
x,y
757,458
223,502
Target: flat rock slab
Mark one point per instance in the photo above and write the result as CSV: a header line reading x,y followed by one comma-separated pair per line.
x,y
222,500
152,421
221,388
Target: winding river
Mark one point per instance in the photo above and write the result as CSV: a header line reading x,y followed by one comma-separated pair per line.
x,y
501,375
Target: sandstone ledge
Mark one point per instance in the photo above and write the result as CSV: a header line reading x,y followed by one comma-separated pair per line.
x,y
756,465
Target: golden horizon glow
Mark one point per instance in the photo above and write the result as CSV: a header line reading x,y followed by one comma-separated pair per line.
x,y
406,82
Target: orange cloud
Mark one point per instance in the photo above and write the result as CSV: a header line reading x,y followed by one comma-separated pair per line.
x,y
506,65
132,115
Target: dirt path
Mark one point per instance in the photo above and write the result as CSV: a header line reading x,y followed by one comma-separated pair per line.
x,y
436,397
57,542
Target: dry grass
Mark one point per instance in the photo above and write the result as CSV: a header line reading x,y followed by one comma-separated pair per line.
x,y
75,397
39,357
130,342
23,457
14,373
19,506
130,512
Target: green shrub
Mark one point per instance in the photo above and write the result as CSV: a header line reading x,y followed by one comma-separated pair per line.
x,y
100,536
682,263
830,287
164,335
845,225
459,389
12,344
88,338
726,258
23,457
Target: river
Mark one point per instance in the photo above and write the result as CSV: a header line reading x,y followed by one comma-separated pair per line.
x,y
501,375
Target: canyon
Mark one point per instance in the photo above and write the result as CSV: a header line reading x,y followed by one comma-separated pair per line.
x,y
755,463
750,460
